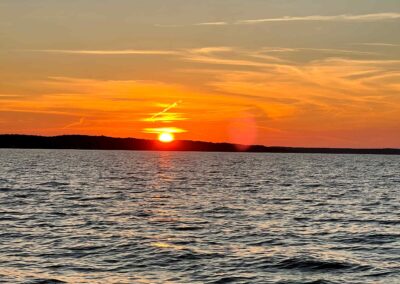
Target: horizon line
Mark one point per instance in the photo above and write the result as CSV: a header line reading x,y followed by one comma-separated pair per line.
x,y
199,141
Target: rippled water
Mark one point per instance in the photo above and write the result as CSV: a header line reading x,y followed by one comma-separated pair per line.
x,y
165,217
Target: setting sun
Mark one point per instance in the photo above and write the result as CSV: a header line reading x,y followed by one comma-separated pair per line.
x,y
166,137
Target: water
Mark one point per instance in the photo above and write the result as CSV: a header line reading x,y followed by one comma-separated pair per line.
x,y
165,217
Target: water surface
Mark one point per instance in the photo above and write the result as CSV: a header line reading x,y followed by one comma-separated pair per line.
x,y
166,217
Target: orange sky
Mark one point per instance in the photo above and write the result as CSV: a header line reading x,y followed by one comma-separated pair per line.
x,y
257,73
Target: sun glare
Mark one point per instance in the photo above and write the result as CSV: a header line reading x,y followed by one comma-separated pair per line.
x,y
166,137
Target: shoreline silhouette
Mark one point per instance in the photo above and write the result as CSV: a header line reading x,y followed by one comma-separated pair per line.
x,y
86,142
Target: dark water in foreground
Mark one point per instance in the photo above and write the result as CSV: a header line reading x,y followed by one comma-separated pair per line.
x,y
159,217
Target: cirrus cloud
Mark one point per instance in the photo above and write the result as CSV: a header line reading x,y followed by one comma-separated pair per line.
x,y
333,18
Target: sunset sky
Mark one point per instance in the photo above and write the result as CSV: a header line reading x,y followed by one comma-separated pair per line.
x,y
274,72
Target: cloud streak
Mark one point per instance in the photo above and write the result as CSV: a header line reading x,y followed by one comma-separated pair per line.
x,y
163,112
79,123
212,24
373,17
378,44
334,18
164,130
109,52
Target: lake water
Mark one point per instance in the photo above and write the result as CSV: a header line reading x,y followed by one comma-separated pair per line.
x,y
166,217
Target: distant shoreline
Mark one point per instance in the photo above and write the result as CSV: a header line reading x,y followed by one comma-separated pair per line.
x,y
85,142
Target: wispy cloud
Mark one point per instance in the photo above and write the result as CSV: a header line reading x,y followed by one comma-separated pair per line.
x,y
73,124
378,44
10,96
164,130
318,50
373,17
212,49
212,24
215,55
164,116
333,18
109,52
334,50
226,56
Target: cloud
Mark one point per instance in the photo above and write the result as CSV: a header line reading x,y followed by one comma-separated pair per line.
x,y
282,50
109,52
339,93
164,130
164,116
74,124
223,55
378,44
10,96
221,23
334,18
345,79
212,24
373,17
212,49
218,55
333,50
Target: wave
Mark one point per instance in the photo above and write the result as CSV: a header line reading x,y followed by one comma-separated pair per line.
x,y
53,184
371,239
313,264
319,281
232,279
45,281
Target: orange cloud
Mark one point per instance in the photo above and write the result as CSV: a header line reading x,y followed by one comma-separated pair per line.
x,y
164,116
164,130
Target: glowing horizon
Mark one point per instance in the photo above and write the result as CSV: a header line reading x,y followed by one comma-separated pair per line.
x,y
257,72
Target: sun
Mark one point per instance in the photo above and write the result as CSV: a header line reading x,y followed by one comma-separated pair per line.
x,y
166,137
